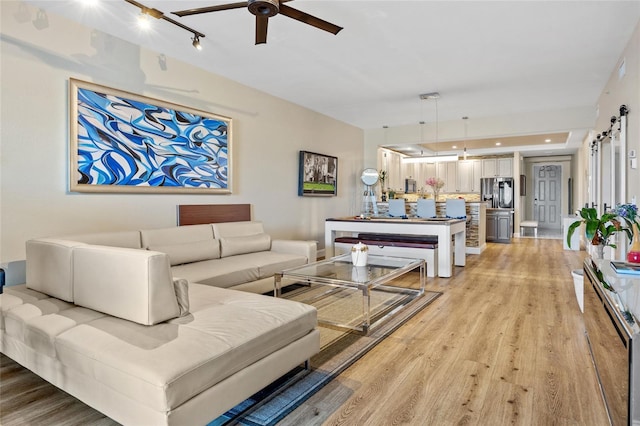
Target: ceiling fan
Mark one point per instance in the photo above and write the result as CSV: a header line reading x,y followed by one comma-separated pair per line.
x,y
263,10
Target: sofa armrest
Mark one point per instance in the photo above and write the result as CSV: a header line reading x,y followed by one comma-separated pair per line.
x,y
302,248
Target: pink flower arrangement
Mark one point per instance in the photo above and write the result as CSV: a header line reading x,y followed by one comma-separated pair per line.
x,y
435,183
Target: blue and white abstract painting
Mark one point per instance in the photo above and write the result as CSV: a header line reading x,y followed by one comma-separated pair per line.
x,y
128,143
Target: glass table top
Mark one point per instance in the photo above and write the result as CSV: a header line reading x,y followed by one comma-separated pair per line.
x,y
340,269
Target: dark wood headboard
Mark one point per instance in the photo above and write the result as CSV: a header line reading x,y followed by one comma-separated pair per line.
x,y
197,214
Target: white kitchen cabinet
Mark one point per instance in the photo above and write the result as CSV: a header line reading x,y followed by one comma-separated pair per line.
x,y
469,174
395,177
505,167
497,167
429,170
448,172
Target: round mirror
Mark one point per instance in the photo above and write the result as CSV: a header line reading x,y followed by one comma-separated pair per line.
x,y
369,176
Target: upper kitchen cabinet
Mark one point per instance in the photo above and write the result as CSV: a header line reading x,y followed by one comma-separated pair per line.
x,y
469,174
497,167
391,162
448,172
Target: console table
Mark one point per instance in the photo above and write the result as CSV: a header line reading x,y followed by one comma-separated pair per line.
x,y
611,309
443,228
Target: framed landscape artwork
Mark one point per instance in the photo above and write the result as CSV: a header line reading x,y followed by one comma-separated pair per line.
x,y
123,142
318,175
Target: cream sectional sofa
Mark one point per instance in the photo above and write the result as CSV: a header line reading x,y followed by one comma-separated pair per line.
x,y
238,255
114,327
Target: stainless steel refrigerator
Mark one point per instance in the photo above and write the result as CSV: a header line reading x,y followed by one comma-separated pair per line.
x,y
498,192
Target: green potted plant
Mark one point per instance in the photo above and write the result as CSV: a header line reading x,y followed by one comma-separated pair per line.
x,y
597,229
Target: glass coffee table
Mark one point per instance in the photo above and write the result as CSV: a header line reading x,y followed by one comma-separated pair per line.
x,y
355,297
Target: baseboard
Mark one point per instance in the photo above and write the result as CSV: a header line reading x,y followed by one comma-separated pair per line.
x,y
476,250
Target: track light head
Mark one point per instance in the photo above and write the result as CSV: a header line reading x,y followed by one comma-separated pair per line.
x,y
196,42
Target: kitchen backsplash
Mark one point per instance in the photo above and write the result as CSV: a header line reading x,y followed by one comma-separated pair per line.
x,y
471,196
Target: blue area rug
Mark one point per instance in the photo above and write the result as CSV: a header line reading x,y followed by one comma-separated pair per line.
x,y
338,351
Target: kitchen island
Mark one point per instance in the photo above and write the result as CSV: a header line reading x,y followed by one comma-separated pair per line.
x,y
444,229
476,225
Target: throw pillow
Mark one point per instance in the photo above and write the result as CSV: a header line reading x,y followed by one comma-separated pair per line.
x,y
248,244
190,252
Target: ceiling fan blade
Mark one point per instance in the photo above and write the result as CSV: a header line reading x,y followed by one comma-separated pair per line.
x,y
309,19
210,9
261,29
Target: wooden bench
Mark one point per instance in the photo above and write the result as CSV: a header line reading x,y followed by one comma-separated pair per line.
x,y
398,245
529,224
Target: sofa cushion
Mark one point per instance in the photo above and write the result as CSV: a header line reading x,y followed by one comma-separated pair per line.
x,y
231,246
128,239
189,252
223,273
176,235
237,229
17,318
49,267
164,365
132,284
41,331
16,295
269,262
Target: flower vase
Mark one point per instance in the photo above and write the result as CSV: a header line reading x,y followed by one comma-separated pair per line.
x,y
359,254
633,256
435,194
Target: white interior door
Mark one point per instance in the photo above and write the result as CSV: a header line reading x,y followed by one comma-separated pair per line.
x,y
547,202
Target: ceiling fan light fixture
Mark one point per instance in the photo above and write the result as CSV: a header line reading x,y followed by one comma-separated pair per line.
x,y
266,8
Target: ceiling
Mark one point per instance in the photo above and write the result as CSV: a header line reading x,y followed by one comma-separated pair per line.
x,y
486,59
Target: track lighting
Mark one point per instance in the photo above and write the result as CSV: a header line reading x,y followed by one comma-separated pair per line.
x,y
196,42
147,12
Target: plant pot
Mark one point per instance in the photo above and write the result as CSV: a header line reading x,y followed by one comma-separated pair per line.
x,y
597,251
633,256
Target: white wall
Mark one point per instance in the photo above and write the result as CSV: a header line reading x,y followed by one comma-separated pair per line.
x,y
268,134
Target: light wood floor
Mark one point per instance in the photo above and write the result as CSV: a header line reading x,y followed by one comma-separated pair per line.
x,y
503,345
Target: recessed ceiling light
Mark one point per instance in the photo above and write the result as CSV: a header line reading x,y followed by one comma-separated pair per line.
x,y
547,140
454,147
498,143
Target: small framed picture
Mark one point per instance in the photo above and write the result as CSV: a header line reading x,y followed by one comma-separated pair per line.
x,y
318,175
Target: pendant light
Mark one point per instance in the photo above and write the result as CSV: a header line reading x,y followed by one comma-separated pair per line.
x,y
433,158
465,118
